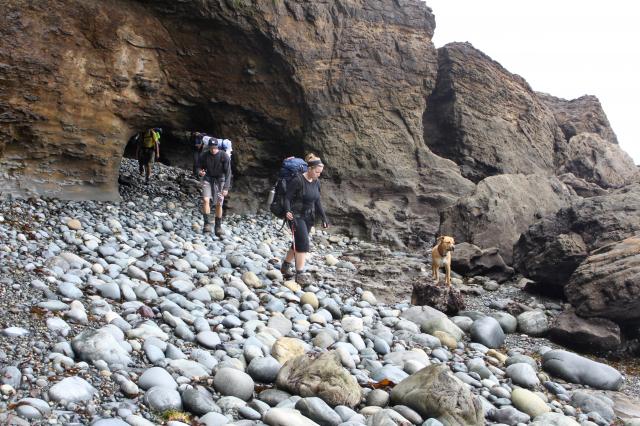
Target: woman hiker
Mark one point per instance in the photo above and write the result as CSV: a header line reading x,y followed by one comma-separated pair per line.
x,y
302,201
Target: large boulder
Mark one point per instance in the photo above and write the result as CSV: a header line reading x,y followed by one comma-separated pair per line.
x,y
444,298
580,186
596,161
420,314
607,283
487,119
580,115
323,377
436,393
585,334
552,248
471,260
577,369
501,208
487,331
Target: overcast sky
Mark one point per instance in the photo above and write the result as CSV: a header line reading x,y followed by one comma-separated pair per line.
x,y
567,48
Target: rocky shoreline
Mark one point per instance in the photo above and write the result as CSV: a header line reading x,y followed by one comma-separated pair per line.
x,y
125,313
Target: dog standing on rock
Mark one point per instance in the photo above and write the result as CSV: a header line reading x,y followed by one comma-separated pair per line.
x,y
441,256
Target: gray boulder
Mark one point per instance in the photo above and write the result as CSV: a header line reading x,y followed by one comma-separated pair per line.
x,y
552,248
509,205
232,382
161,399
199,401
93,345
533,323
577,369
323,377
523,374
487,330
318,411
588,403
471,260
607,284
591,158
509,416
435,392
586,334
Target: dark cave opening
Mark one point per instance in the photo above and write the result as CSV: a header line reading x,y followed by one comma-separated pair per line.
x,y
230,83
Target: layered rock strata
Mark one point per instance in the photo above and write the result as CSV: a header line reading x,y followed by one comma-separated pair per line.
x,y
347,80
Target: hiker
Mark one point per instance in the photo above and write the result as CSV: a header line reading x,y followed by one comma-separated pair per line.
x,y
302,201
226,146
148,150
215,168
196,146
136,140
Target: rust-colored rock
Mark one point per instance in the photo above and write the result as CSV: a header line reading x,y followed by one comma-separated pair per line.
x,y
442,297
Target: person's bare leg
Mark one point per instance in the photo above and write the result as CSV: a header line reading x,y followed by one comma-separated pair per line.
x,y
206,210
300,261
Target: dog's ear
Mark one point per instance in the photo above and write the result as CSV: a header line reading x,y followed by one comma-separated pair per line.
x,y
440,238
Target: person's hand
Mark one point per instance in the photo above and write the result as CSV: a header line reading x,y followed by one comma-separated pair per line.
x,y
202,172
224,192
325,225
289,215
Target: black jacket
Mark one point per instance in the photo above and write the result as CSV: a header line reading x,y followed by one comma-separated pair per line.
x,y
303,198
217,167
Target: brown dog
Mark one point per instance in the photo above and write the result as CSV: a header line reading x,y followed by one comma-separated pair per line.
x,y
441,256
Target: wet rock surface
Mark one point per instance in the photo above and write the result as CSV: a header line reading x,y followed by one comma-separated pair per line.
x,y
211,334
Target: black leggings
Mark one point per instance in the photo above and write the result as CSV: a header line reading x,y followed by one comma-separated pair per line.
x,y
301,227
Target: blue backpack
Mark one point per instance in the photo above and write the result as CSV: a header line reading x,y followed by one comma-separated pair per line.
x,y
291,168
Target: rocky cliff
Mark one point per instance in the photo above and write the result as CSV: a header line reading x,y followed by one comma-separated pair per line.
x,y
403,129
347,79
488,120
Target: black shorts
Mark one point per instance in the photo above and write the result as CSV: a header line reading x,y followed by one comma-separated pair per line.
x,y
301,228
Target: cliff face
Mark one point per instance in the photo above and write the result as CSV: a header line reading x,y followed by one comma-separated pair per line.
x,y
488,120
356,81
581,115
345,78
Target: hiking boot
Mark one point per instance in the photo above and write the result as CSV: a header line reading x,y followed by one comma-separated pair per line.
x,y
218,227
287,269
207,223
303,278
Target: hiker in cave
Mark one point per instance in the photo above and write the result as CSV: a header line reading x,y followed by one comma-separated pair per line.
x,y
148,150
302,201
196,147
215,169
